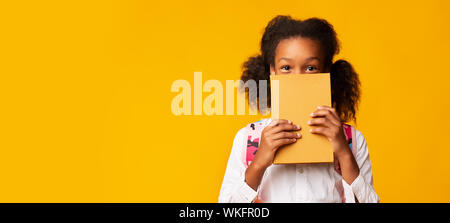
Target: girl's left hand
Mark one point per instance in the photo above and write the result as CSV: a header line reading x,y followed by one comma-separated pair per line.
x,y
325,121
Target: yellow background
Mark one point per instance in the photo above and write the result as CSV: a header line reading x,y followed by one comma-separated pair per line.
x,y
85,95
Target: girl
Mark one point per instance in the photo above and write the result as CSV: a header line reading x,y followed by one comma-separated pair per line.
x,y
301,47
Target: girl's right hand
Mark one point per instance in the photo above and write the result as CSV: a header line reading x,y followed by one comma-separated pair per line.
x,y
276,134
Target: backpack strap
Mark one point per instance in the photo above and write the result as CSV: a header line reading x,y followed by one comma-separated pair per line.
x,y
349,132
254,131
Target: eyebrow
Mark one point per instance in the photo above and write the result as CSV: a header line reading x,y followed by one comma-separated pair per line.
x,y
308,59
314,58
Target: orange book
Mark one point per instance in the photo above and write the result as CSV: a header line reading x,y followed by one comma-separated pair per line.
x,y
294,97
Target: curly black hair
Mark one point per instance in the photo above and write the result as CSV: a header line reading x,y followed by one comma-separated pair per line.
x,y
345,84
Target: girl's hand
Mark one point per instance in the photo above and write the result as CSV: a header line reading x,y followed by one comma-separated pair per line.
x,y
326,122
276,134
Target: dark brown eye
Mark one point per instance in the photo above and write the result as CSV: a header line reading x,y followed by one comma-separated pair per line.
x,y
286,67
311,68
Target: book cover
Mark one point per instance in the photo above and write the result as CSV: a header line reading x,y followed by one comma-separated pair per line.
x,y
294,97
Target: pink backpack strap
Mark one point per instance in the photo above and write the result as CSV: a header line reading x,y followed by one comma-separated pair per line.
x,y
254,131
349,132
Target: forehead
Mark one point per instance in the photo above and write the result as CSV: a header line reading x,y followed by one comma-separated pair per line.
x,y
298,48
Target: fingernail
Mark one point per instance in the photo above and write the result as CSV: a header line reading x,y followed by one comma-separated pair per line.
x,y
295,139
298,135
312,114
310,130
319,107
297,126
309,122
289,122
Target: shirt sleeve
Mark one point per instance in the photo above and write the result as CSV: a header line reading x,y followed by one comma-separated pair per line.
x,y
362,186
234,188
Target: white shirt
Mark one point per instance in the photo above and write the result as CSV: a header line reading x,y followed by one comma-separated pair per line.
x,y
297,182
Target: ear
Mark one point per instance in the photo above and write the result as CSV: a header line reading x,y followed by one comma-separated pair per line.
x,y
272,70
